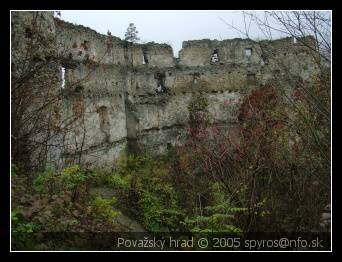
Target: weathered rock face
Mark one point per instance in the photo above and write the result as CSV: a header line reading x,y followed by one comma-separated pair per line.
x,y
128,96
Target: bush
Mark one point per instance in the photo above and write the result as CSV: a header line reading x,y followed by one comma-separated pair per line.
x,y
71,180
117,181
101,211
58,201
276,169
217,217
279,164
143,184
19,223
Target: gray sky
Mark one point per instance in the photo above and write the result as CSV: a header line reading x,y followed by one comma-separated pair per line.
x,y
170,27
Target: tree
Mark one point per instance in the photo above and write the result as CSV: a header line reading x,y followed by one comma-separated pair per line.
x,y
40,126
302,26
131,34
287,146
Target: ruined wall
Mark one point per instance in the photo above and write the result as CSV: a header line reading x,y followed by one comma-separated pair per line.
x,y
34,80
95,94
122,108
128,96
81,43
198,52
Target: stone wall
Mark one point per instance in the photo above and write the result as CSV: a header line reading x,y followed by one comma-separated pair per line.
x,y
111,86
198,52
34,81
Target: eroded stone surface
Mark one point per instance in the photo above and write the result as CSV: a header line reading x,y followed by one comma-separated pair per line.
x,y
128,95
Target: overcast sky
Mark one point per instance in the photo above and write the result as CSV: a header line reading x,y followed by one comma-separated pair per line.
x,y
172,27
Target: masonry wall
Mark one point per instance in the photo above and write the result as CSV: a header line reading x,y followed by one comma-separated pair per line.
x,y
95,94
111,88
33,45
123,79
198,52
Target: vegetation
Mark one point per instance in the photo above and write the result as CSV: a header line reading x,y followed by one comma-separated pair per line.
x,y
272,178
131,34
58,202
270,172
267,180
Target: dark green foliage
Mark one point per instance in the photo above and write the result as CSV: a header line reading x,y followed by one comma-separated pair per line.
x,y
58,202
151,190
217,217
144,185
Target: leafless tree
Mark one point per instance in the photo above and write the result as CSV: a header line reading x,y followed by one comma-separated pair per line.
x,y
38,124
312,30
310,116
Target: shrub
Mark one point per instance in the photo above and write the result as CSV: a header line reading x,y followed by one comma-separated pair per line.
x,y
217,217
279,164
270,169
117,181
19,223
101,210
58,202
70,179
143,183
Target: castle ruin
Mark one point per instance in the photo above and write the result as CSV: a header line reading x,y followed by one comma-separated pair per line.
x,y
127,97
